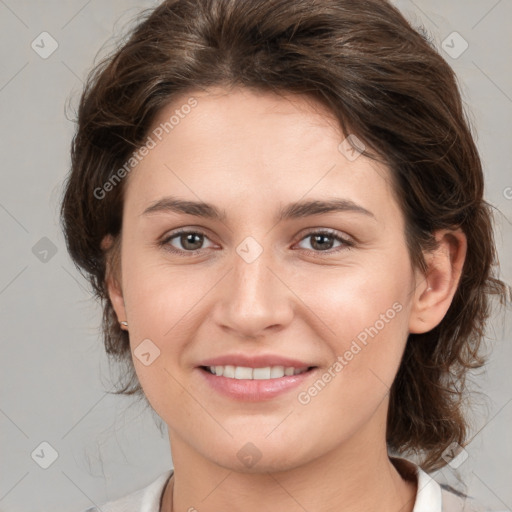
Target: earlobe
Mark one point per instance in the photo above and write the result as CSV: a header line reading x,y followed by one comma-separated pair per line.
x,y
434,290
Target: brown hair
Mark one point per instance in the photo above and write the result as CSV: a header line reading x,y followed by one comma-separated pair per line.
x,y
384,82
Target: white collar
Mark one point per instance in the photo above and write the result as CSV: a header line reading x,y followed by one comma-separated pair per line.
x,y
429,496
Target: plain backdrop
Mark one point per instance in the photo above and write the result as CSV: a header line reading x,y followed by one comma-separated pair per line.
x,y
54,405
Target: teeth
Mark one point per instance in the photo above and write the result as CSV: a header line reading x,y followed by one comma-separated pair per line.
x,y
243,372
264,373
274,373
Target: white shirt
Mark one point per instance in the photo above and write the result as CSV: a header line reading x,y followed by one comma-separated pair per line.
x,y
430,497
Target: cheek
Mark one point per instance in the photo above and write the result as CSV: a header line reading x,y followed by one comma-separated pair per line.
x,y
354,299
363,318
158,295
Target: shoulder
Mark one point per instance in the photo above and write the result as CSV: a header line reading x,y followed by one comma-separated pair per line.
x,y
146,499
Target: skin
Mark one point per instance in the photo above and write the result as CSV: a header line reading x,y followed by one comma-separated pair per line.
x,y
249,153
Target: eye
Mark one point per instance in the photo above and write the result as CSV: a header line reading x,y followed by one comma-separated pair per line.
x,y
323,241
190,241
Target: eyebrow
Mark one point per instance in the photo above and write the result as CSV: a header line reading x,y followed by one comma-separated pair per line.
x,y
295,210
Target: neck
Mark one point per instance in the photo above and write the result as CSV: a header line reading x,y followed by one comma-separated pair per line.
x,y
342,480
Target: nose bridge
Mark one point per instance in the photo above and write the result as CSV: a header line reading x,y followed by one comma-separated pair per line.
x,y
251,272
255,298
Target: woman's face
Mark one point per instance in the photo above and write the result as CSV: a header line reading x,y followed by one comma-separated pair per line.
x,y
261,281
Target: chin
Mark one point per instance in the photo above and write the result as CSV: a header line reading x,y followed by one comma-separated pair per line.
x,y
276,463
257,455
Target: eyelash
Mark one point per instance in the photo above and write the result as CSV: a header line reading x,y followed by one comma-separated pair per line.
x,y
347,244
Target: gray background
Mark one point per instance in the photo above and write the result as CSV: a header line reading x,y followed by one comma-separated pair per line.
x,y
54,374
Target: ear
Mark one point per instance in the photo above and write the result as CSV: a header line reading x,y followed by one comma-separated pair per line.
x,y
112,276
434,290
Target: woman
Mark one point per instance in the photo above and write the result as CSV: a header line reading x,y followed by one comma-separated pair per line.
x,y
281,206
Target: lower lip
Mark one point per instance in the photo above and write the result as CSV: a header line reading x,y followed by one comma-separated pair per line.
x,y
254,390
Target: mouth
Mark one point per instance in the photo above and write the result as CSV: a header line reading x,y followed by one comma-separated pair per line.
x,y
248,384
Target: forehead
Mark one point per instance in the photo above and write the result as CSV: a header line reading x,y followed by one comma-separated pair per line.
x,y
247,123
250,147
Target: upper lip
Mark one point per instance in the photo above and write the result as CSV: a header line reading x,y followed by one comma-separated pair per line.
x,y
255,361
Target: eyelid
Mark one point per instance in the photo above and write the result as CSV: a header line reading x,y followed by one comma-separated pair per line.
x,y
328,231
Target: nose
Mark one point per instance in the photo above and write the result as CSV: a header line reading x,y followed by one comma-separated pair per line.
x,y
255,298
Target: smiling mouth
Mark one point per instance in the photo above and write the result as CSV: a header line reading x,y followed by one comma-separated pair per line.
x,y
247,373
